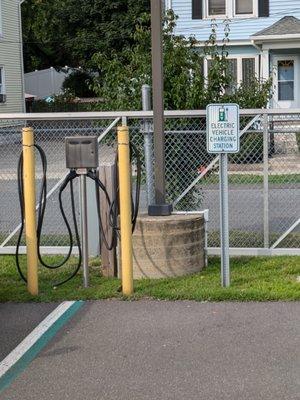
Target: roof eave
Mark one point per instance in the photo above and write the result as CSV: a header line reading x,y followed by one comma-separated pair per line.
x,y
272,38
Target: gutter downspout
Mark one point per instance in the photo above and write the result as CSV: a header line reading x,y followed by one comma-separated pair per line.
x,y
259,57
261,71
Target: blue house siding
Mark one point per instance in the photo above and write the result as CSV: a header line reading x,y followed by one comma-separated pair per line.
x,y
270,52
240,29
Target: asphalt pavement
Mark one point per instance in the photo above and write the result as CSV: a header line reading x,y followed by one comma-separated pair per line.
x,y
169,350
18,320
245,202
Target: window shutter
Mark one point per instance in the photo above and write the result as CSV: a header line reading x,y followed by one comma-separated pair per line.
x,y
197,9
263,8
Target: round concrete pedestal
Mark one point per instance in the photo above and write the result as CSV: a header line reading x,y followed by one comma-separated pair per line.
x,y
168,246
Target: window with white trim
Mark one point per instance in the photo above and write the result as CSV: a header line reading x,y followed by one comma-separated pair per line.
x,y
242,69
230,8
216,7
243,7
286,80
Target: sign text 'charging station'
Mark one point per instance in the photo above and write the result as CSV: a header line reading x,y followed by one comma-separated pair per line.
x,y
223,128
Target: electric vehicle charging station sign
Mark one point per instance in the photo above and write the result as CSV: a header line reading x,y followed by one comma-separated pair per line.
x,y
222,128
223,137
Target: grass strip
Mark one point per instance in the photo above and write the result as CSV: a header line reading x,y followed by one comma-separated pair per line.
x,y
252,279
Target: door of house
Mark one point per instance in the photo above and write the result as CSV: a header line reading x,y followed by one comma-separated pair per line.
x,y
286,81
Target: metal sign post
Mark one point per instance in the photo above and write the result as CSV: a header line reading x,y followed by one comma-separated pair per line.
x,y
223,138
84,230
224,225
82,157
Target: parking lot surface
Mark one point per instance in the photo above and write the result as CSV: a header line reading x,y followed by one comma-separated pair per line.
x,y
169,350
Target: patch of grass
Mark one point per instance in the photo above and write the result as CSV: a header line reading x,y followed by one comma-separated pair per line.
x,y
248,179
12,288
252,279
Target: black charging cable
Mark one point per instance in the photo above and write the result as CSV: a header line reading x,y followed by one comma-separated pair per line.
x,y
134,154
41,213
112,205
135,198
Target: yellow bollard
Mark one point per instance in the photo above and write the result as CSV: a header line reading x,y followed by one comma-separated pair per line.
x,y
30,213
125,210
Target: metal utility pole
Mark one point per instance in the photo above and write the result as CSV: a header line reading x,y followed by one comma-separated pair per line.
x,y
148,144
160,208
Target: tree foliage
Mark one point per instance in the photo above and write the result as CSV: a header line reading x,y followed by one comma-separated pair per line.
x,y
68,32
78,84
121,77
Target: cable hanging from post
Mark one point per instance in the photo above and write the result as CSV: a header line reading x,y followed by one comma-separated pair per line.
x,y
76,171
41,213
135,199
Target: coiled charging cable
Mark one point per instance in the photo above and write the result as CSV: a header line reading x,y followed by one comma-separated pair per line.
x,y
112,205
41,213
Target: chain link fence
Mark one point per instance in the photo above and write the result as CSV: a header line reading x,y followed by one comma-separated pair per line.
x,y
264,177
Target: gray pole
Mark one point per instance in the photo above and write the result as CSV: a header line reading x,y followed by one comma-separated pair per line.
x,y
92,218
225,269
266,182
84,230
148,144
158,102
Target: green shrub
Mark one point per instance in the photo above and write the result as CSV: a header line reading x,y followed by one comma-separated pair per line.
x,y
44,106
78,84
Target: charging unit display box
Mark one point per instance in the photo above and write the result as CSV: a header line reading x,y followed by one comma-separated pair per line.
x,y
82,152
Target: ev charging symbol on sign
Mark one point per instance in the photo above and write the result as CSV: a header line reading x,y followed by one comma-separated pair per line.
x,y
223,128
222,122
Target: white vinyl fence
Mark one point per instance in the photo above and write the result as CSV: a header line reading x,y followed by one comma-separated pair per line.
x,y
45,82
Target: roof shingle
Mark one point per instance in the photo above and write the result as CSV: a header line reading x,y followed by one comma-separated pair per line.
x,y
285,26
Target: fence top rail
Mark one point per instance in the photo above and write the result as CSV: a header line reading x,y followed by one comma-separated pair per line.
x,y
135,114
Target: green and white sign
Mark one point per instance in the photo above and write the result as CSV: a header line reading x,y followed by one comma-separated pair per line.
x,y
223,128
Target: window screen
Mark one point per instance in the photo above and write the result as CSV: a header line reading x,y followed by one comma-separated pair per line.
x,y
244,6
216,7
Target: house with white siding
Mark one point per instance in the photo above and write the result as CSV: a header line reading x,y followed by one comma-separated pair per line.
x,y
11,57
264,39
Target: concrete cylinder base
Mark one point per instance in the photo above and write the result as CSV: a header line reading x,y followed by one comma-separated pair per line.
x,y
168,246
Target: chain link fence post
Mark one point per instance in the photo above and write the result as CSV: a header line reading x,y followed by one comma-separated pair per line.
x,y
266,180
148,144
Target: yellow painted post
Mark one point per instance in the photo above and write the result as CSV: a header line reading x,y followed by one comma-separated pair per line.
x,y
30,213
125,210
